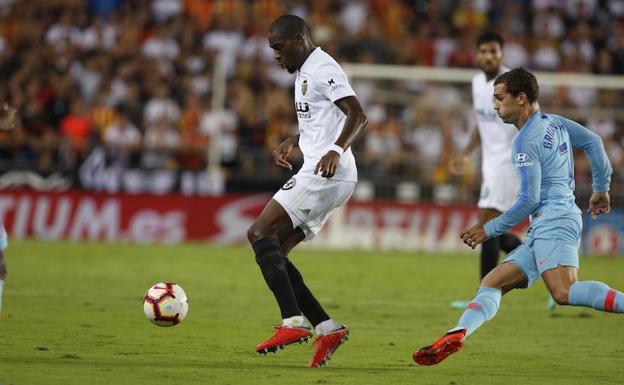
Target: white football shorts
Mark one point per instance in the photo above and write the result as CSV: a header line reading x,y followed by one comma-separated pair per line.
x,y
309,200
498,191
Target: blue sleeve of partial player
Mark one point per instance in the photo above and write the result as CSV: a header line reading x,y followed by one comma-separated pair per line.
x,y
526,159
591,143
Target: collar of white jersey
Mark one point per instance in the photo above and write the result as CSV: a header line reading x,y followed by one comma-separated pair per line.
x,y
311,58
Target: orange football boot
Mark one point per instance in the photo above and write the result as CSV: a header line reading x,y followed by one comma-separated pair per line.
x,y
435,353
284,335
326,345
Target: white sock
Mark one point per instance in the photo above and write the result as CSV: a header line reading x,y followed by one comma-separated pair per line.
x,y
327,327
296,321
1,286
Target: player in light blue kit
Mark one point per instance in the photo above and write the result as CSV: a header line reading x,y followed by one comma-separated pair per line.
x,y
542,155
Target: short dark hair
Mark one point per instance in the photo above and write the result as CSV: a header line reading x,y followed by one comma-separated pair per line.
x,y
488,37
520,80
289,26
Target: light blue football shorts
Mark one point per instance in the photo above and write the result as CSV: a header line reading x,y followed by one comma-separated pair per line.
x,y
551,242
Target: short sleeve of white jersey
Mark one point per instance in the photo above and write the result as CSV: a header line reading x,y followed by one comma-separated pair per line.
x,y
332,82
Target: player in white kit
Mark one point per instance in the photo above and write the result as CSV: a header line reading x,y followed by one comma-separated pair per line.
x,y
330,118
500,185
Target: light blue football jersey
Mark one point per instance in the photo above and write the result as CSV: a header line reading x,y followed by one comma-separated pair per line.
x,y
542,155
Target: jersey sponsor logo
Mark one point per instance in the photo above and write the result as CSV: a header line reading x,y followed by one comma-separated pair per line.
x,y
303,110
305,212
522,160
290,184
302,107
563,148
333,86
304,87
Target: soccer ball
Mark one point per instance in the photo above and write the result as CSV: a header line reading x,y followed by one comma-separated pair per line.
x,y
165,304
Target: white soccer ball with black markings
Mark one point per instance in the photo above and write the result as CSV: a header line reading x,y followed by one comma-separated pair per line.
x,y
165,304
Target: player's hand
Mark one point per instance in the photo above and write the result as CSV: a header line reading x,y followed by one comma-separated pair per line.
x,y
599,203
474,236
328,164
457,165
7,117
281,152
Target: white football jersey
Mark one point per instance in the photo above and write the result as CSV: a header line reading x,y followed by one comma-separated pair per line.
x,y
496,136
319,83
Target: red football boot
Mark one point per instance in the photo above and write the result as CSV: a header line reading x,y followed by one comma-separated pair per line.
x,y
326,345
433,354
284,335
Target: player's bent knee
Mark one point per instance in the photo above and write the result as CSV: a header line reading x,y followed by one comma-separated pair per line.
x,y
560,296
494,282
255,232
252,234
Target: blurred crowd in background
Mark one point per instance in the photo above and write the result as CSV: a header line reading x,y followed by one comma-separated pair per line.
x,y
135,78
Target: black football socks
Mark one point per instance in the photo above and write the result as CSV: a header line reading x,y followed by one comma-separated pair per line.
x,y
272,263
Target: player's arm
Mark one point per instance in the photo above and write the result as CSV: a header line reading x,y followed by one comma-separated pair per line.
x,y
332,83
281,152
526,160
591,143
457,164
353,127
354,124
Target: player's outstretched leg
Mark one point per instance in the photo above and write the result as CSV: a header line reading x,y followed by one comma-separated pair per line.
x,y
482,308
435,353
566,290
596,295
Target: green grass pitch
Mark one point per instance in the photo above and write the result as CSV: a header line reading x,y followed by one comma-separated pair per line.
x,y
73,315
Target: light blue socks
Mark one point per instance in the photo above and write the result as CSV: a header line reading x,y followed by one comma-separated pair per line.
x,y
596,295
592,294
482,308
